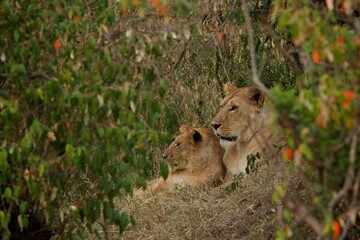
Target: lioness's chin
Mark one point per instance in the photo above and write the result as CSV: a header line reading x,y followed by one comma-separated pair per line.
x,y
226,144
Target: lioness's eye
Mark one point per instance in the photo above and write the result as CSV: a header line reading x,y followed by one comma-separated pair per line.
x,y
233,108
177,144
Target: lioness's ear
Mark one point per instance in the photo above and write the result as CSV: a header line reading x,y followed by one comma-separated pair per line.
x,y
197,136
229,88
256,96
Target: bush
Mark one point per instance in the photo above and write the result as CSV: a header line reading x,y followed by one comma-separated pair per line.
x,y
90,91
75,119
321,121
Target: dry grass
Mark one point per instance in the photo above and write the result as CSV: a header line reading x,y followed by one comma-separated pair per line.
x,y
210,213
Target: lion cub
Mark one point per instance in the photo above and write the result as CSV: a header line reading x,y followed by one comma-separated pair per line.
x,y
195,159
243,128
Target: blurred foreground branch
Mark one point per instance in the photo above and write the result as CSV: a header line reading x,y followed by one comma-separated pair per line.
x,y
254,71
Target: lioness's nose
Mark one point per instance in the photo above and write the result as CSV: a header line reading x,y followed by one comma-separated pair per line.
x,y
215,125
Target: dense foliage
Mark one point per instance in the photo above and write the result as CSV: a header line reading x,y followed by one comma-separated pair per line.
x,y
322,119
84,110
75,117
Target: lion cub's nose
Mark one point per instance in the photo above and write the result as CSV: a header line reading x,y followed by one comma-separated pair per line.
x,y
215,125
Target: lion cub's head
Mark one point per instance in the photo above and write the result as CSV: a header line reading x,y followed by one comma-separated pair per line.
x,y
194,149
242,114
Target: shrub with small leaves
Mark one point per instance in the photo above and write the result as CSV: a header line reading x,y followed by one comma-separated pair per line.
x,y
322,119
75,117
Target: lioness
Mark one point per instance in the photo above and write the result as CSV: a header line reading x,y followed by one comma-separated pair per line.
x,y
195,158
241,126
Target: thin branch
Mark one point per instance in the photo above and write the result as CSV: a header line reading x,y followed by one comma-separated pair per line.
x,y
182,54
301,213
254,71
30,75
350,171
277,41
353,207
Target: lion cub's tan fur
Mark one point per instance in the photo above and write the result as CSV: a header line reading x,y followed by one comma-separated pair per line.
x,y
195,159
242,126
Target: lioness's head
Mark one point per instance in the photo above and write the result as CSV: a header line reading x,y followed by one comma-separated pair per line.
x,y
192,149
241,114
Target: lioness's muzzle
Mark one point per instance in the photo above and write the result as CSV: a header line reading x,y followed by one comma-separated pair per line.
x,y
230,139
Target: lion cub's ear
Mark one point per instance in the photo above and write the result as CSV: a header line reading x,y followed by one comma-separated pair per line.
x,y
256,96
197,136
229,88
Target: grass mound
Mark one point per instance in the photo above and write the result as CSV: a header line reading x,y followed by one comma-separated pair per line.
x,y
247,212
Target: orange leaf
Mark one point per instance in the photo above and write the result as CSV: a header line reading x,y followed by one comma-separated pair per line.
x,y
345,6
123,12
220,37
316,56
75,18
160,11
297,42
154,3
345,105
26,174
321,120
288,153
349,95
136,2
336,227
212,27
57,45
341,40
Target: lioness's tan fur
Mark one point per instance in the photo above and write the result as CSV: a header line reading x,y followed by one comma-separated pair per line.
x,y
242,126
195,158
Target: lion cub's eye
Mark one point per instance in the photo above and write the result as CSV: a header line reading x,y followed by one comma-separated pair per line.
x,y
233,108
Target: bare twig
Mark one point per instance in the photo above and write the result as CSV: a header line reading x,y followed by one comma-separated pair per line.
x,y
30,75
277,40
255,75
301,213
350,172
353,206
182,54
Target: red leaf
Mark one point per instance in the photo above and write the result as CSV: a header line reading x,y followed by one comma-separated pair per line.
x,y
316,56
57,45
75,18
336,227
341,40
154,3
349,95
160,11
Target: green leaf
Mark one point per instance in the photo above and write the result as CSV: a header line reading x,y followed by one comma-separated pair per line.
x,y
41,169
7,194
162,88
124,219
2,217
16,35
287,215
3,160
22,208
108,211
111,16
307,152
164,170
20,222
53,193
133,220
